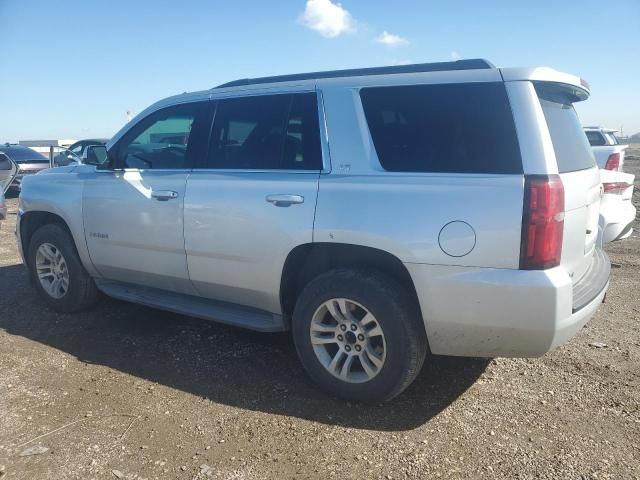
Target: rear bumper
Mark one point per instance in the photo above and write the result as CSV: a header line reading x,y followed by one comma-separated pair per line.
x,y
615,224
484,312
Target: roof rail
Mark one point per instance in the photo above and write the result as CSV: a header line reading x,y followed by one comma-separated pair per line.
x,y
470,64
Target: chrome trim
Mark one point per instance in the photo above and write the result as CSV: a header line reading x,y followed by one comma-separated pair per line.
x,y
324,135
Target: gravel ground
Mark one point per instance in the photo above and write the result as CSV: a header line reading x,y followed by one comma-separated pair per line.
x,y
130,392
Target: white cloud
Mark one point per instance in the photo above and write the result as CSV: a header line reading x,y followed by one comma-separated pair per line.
x,y
391,40
327,18
455,55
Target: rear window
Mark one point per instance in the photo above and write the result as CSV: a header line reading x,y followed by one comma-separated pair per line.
x,y
451,128
596,139
25,155
570,144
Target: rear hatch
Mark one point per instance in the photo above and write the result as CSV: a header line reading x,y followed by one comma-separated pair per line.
x,y
580,178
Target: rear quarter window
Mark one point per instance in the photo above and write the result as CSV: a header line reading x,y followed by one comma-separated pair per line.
x,y
26,155
570,144
448,128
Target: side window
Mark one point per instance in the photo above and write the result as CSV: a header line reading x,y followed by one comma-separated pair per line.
x,y
164,140
77,149
453,128
5,163
302,136
266,132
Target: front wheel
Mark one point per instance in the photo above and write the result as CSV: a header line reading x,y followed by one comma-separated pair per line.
x,y
57,270
359,335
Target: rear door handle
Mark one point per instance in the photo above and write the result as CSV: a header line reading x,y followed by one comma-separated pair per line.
x,y
164,195
284,199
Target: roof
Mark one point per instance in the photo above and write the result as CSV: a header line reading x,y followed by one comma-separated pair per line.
x,y
470,64
92,140
602,129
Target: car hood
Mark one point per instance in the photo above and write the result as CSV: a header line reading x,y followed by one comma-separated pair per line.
x,y
66,169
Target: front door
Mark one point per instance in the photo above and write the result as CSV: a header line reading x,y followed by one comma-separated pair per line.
x,y
133,214
8,171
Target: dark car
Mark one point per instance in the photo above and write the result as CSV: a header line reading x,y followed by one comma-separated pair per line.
x,y
80,147
28,161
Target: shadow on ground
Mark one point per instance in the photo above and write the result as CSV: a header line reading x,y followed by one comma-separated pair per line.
x,y
226,365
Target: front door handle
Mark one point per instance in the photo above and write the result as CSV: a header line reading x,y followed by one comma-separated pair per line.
x,y
284,199
164,195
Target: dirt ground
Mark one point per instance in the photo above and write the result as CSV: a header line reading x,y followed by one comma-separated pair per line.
x,y
126,391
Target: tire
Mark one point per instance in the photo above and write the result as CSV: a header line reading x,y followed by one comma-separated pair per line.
x,y
81,292
400,350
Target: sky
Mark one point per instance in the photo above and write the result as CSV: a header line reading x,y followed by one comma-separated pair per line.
x,y
73,68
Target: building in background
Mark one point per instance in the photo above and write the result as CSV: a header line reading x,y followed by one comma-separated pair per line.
x,y
42,146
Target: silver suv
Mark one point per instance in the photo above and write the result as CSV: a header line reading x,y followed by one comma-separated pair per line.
x,y
379,214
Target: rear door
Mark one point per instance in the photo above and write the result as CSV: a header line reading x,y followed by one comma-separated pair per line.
x,y
580,178
254,199
8,170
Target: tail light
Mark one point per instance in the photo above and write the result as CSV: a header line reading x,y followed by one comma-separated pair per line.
x,y
542,222
613,162
616,188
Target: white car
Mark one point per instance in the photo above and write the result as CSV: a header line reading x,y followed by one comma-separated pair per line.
x,y
608,151
617,212
8,171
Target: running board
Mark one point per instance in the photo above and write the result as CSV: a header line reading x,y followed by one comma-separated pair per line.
x,y
222,312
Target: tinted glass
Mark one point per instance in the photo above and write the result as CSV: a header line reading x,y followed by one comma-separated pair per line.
x,y
163,140
458,128
569,141
266,133
302,135
25,155
596,139
5,163
76,148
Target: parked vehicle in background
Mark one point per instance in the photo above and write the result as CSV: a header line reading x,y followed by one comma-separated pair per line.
x,y
606,148
377,213
63,157
80,147
8,170
28,161
617,212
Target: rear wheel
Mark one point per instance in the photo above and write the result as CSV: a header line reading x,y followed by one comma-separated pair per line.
x,y
359,335
58,273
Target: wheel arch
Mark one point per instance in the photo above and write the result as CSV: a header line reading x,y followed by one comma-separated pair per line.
x,y
31,221
305,262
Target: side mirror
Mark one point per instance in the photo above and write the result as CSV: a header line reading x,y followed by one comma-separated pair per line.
x,y
97,155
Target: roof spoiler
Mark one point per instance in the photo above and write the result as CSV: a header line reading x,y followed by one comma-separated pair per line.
x,y
579,87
